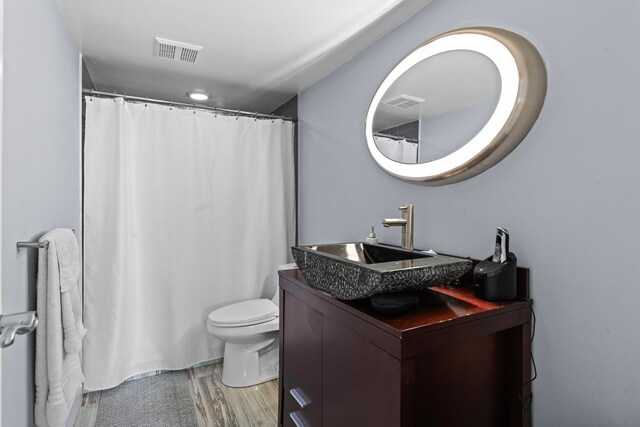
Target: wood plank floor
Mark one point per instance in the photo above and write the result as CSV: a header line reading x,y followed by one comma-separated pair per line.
x,y
216,405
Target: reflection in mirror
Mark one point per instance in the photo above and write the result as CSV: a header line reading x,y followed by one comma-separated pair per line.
x,y
436,107
397,146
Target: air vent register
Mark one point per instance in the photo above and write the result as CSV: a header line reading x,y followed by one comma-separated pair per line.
x,y
175,51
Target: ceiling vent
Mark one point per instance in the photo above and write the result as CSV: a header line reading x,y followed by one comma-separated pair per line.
x,y
403,101
175,51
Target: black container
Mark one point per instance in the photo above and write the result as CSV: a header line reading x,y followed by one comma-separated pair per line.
x,y
495,281
394,303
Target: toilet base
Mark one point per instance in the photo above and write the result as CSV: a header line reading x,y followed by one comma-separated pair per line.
x,y
245,365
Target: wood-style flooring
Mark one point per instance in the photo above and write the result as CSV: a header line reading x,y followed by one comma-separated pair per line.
x,y
215,404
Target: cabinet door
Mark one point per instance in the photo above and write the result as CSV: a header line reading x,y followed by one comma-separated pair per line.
x,y
301,338
361,382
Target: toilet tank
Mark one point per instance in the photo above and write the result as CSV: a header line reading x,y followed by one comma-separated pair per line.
x,y
276,298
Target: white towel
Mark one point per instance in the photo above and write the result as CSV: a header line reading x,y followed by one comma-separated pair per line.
x,y
60,330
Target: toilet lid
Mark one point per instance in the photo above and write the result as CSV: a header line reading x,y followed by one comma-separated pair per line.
x,y
244,313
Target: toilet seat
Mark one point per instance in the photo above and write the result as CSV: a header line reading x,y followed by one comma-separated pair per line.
x,y
244,313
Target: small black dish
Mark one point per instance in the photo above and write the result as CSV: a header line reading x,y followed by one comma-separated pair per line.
x,y
394,303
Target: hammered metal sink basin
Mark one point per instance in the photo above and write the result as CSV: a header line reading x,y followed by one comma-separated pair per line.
x,y
359,270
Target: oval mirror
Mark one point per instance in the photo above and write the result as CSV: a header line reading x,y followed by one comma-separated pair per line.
x,y
456,105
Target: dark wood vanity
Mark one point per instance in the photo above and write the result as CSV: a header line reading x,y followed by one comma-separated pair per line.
x,y
456,360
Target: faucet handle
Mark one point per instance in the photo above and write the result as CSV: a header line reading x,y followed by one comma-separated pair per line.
x,y
406,207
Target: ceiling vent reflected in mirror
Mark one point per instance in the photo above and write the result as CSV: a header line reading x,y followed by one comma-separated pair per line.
x,y
403,101
175,51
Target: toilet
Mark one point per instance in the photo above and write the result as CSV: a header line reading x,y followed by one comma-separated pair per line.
x,y
249,330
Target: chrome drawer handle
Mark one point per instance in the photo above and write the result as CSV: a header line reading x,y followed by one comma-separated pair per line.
x,y
298,396
298,419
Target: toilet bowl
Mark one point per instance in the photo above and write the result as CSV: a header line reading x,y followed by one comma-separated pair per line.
x,y
249,330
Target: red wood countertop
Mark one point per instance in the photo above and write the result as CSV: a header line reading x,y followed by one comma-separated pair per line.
x,y
438,307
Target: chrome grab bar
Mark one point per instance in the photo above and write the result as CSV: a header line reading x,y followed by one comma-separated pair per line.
x,y
18,323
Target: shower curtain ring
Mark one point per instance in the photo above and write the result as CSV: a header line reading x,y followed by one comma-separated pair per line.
x,y
237,114
255,116
146,99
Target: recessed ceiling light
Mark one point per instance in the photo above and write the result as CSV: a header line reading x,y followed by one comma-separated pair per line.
x,y
198,95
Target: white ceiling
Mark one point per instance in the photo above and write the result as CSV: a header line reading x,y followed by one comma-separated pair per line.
x,y
257,54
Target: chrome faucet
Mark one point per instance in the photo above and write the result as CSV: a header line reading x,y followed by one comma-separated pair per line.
x,y
407,226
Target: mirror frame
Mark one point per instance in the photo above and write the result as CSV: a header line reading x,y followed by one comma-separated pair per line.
x,y
523,88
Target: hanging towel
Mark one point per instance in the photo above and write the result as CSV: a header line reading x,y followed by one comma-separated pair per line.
x,y
60,329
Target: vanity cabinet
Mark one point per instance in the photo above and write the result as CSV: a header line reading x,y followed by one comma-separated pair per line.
x,y
455,360
303,382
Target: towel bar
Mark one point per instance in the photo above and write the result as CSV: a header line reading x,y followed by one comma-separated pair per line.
x,y
34,245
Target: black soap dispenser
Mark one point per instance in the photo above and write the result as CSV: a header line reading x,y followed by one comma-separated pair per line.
x,y
495,277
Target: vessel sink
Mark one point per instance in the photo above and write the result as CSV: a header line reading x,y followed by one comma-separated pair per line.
x,y
357,270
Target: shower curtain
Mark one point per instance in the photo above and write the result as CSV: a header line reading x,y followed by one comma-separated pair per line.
x,y
184,211
397,149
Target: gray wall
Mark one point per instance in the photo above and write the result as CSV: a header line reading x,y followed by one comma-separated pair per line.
x,y
568,193
87,81
288,109
41,168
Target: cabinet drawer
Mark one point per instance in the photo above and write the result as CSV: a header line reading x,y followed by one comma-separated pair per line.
x,y
296,413
301,341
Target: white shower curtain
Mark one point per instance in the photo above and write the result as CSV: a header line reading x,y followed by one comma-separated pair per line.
x,y
184,212
397,149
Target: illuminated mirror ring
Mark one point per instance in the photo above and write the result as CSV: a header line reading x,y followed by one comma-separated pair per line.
x,y
523,86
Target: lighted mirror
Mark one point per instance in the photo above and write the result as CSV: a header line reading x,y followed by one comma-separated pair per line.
x,y
456,105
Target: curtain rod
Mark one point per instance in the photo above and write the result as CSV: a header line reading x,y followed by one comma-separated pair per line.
x,y
396,137
98,93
